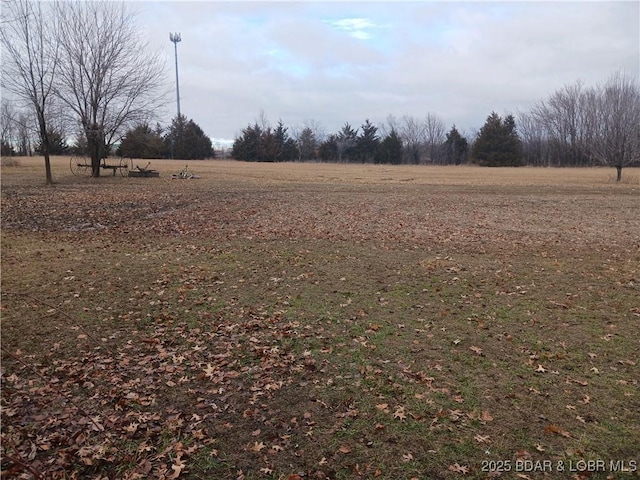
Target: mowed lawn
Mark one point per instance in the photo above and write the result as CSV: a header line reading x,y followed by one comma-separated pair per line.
x,y
312,321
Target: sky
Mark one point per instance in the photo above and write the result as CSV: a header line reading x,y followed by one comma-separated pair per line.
x,y
333,62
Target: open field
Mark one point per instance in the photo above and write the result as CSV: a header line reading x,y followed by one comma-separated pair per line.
x,y
311,321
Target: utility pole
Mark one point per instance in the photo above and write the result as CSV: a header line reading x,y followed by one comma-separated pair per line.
x,y
175,38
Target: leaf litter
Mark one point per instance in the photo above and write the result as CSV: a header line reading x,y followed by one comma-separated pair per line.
x,y
190,343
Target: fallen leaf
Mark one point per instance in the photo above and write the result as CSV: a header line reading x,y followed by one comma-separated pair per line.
x,y
553,428
177,468
476,350
399,413
486,416
457,468
208,371
344,449
257,446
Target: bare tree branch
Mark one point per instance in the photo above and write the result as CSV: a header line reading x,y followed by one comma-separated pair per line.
x,y
107,78
28,37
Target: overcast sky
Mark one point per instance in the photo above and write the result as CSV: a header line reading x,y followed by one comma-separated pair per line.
x,y
337,62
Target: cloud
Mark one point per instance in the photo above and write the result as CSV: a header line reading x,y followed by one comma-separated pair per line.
x,y
356,27
348,61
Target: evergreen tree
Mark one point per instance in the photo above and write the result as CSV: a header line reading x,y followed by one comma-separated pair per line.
x,y
455,147
328,150
247,146
286,147
142,142
258,144
269,147
6,149
390,149
512,141
367,142
187,141
345,142
57,143
307,145
497,144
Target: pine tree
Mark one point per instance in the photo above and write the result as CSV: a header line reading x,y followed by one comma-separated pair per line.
x,y
57,143
345,142
455,147
328,150
286,148
497,144
247,146
187,141
142,142
307,145
390,149
367,142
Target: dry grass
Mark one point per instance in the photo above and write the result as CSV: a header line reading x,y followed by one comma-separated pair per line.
x,y
361,174
320,321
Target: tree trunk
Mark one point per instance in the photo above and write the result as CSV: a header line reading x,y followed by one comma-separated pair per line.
x,y
47,167
94,141
619,170
44,140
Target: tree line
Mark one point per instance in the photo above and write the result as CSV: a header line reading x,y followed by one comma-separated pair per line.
x,y
183,139
581,126
85,64
404,141
574,126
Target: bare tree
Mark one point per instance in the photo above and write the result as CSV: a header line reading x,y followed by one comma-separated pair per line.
x,y
24,133
7,127
106,76
30,61
412,134
434,133
534,142
563,117
390,124
615,139
263,120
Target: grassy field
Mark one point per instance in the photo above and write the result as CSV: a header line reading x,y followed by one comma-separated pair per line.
x,y
311,321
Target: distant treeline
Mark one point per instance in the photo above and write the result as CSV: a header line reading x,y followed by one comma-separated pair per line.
x,y
575,126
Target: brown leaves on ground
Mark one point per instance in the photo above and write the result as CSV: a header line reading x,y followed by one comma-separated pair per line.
x,y
553,428
119,397
457,468
259,327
